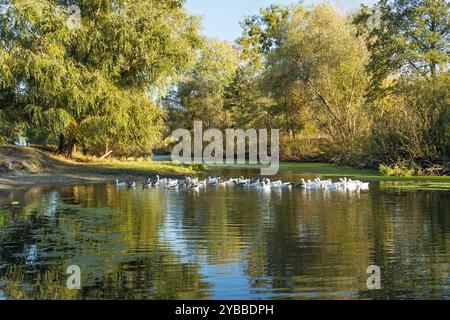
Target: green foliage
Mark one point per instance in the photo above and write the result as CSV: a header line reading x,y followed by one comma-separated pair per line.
x,y
401,168
335,88
412,123
248,104
317,75
413,39
200,96
262,32
199,167
92,85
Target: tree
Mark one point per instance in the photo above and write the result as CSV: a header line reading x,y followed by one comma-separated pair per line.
x,y
249,105
412,39
93,85
320,68
201,95
262,32
409,67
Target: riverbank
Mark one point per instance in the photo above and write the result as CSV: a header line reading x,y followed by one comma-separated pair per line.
x,y
25,166
22,167
329,171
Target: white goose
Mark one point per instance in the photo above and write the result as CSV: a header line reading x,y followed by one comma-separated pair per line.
x,y
265,185
212,181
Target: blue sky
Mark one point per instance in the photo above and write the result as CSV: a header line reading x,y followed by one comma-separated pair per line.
x,y
221,17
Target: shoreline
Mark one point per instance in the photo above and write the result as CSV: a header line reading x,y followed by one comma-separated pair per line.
x,y
17,182
23,167
24,181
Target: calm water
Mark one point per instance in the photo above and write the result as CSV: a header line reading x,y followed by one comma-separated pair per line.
x,y
224,243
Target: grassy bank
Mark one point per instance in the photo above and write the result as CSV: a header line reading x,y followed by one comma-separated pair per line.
x,y
367,174
20,166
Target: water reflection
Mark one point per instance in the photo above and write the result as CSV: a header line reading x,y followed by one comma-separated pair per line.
x,y
223,243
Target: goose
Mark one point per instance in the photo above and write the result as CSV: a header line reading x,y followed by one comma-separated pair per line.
x,y
320,184
194,181
195,187
255,184
172,184
132,184
147,183
172,187
157,182
212,181
265,185
276,183
281,184
287,185
363,185
333,186
120,184
301,185
234,181
164,182
310,185
350,185
241,182
224,183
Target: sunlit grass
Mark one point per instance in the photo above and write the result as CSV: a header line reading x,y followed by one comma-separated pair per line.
x,y
135,168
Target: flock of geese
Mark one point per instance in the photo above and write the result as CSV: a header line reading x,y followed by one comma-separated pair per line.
x,y
191,183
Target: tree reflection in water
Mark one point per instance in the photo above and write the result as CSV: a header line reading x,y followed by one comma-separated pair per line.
x,y
223,243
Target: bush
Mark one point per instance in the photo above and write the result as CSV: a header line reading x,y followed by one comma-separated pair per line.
x,y
401,168
303,148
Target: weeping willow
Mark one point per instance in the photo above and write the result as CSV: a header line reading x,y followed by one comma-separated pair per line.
x,y
95,85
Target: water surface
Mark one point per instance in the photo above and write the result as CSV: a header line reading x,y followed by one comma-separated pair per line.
x,y
224,243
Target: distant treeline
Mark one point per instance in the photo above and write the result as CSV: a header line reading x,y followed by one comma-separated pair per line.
x,y
367,88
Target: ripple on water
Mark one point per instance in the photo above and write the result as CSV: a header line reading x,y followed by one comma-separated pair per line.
x,y
227,243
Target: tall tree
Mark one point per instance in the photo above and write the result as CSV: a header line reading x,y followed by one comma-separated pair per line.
x,y
92,84
201,95
412,38
409,67
262,32
320,68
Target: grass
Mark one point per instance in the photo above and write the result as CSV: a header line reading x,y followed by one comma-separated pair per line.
x,y
3,215
36,160
116,167
416,185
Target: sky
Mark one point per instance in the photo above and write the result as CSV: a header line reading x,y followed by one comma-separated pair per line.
x,y
221,17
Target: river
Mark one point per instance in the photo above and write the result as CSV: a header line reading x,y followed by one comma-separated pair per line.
x,y
225,242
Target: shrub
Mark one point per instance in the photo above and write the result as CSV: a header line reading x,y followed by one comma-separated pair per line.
x,y
401,168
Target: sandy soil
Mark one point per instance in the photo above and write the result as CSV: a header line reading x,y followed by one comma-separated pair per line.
x,y
26,180
22,167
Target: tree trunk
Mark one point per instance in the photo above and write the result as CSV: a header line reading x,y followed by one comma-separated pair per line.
x,y
66,146
106,155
